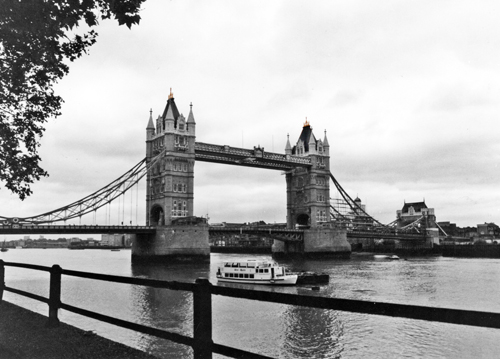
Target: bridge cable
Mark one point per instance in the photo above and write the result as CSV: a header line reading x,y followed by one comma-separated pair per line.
x,y
96,199
350,201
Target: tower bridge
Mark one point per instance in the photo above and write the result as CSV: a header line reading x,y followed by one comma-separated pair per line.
x,y
313,225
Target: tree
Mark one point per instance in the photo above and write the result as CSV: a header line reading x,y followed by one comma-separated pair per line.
x,y
37,37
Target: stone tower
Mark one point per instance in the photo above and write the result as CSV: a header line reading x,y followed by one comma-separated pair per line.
x,y
308,190
170,184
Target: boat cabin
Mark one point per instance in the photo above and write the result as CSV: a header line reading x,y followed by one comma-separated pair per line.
x,y
251,270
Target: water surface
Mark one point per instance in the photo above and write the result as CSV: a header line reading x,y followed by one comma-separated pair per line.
x,y
277,330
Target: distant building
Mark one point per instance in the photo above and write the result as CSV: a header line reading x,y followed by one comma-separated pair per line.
x,y
488,230
452,230
116,240
414,211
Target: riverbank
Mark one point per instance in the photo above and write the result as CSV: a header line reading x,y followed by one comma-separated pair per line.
x,y
23,335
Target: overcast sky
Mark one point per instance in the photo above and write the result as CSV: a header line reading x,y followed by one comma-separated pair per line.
x,y
408,92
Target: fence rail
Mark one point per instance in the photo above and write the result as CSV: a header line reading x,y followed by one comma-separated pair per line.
x,y
201,341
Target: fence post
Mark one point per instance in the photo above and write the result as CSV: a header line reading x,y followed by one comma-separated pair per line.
x,y
202,319
54,295
2,278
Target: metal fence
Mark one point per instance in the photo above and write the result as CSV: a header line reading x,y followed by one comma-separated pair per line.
x,y
201,341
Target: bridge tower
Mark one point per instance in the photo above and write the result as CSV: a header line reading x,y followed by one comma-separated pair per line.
x,y
170,184
170,189
308,190
308,201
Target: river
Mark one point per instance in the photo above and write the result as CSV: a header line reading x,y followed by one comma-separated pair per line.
x,y
277,330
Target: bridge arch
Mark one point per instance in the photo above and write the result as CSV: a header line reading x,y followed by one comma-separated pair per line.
x,y
157,215
303,219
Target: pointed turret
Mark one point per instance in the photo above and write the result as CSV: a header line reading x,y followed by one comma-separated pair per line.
x,y
305,135
169,119
170,114
191,124
312,144
150,130
288,147
325,141
326,146
150,133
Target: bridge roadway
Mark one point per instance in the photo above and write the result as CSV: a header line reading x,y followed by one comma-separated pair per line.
x,y
72,229
281,234
297,235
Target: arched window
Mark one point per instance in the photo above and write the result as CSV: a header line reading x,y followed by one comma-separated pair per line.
x,y
174,209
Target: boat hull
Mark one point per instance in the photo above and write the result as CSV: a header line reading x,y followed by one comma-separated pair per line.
x,y
288,280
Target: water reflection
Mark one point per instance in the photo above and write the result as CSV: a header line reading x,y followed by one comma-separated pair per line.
x,y
166,309
312,333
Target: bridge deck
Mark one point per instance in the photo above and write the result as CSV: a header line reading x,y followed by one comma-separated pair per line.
x,y
73,229
250,158
282,234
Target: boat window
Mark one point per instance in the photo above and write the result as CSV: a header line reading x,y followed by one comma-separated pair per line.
x,y
266,270
235,264
231,275
227,265
226,275
251,275
246,275
241,275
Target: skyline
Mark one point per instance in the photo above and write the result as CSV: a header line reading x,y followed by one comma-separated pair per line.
x,y
407,92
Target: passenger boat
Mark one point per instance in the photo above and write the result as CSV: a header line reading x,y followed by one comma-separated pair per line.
x,y
255,272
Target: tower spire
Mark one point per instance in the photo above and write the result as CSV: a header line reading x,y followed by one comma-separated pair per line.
x,y
151,125
288,147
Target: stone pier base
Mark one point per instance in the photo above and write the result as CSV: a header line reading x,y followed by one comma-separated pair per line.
x,y
173,244
318,243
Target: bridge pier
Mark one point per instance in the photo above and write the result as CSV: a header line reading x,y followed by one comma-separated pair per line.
x,y
173,243
318,243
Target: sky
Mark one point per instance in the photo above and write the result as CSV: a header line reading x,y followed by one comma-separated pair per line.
x,y
408,93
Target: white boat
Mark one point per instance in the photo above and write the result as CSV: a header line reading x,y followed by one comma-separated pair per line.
x,y
255,272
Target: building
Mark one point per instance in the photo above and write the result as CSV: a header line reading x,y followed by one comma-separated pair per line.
x,y
416,211
116,240
488,230
308,190
170,183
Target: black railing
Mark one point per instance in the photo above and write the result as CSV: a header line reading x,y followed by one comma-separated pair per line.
x,y
201,342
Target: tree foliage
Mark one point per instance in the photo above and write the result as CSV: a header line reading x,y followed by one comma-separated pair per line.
x,y
37,37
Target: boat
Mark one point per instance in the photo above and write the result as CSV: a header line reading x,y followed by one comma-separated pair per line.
x,y
394,257
4,249
255,272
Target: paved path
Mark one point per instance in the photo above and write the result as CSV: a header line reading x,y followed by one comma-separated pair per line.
x,y
23,336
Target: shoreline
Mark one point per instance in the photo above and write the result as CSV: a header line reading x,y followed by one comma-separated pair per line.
x,y
23,334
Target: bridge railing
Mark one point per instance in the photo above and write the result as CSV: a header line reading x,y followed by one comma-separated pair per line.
x,y
201,342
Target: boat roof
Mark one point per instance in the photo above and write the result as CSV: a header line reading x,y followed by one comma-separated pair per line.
x,y
251,263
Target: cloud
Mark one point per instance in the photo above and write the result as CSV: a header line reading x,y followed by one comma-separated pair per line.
x,y
407,92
